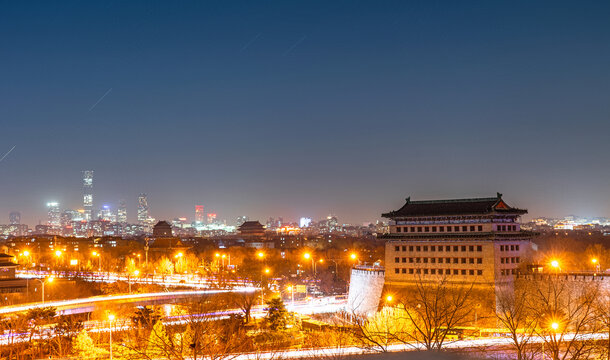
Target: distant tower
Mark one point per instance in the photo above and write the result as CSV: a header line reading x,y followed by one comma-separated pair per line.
x,y
211,218
88,194
142,209
121,215
14,218
199,215
53,215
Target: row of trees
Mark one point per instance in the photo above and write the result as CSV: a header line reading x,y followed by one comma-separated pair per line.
x,y
550,316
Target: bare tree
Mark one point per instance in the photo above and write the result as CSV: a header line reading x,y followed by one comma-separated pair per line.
x,y
385,327
514,313
602,317
566,313
437,309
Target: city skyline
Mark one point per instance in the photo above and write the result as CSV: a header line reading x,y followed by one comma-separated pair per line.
x,y
304,109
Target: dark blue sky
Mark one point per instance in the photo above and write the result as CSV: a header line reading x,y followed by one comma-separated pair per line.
x,y
304,109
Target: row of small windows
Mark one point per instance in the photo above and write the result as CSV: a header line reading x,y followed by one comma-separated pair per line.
x,y
506,272
509,260
419,229
439,260
439,248
449,228
438,271
509,247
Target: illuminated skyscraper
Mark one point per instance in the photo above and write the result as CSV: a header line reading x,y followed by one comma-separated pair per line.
x,y
142,209
14,218
88,194
121,215
199,215
211,218
54,219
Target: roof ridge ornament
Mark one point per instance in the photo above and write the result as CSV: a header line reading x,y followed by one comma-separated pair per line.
x,y
408,199
499,195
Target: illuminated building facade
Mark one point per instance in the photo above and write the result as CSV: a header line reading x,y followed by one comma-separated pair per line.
x,y
14,218
53,215
465,240
142,209
211,218
121,215
199,214
88,194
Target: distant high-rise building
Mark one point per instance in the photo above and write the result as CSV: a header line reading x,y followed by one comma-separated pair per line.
x,y
304,222
54,219
88,194
142,209
211,218
121,215
241,220
106,214
199,214
14,218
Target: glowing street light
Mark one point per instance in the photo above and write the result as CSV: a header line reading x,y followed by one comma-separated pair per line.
x,y
308,256
26,253
353,256
73,262
555,264
58,253
260,254
554,326
389,298
99,260
111,319
43,281
266,271
595,263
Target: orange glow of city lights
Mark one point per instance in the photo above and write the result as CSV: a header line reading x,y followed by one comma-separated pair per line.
x,y
136,272
111,317
267,271
353,256
307,256
261,254
594,261
554,325
217,255
555,263
179,255
58,253
73,262
26,253
50,279
389,298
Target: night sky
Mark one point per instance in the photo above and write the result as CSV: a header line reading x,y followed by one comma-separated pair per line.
x,y
284,108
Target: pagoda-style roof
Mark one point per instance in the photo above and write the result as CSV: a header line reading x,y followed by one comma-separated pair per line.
x,y
475,206
251,225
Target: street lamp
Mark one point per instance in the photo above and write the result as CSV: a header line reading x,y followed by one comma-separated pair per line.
x,y
58,253
110,319
43,281
99,260
260,254
265,272
555,264
291,289
308,256
389,298
595,263
135,273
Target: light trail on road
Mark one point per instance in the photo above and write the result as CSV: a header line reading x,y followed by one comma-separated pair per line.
x,y
98,299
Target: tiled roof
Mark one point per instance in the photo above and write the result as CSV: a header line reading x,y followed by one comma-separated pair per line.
x,y
454,207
